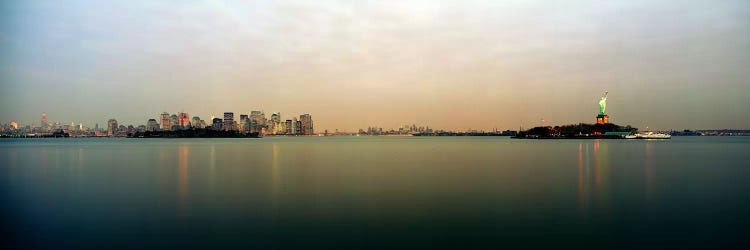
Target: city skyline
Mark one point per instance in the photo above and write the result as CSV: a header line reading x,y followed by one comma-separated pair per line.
x,y
180,124
453,65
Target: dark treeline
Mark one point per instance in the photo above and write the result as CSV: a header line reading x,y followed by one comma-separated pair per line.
x,y
581,130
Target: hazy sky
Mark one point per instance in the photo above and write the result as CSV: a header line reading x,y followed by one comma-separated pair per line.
x,y
352,64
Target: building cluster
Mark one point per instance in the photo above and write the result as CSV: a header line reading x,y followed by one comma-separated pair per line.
x,y
255,122
403,130
47,128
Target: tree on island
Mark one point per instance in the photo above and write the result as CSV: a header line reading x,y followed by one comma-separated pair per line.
x,y
575,130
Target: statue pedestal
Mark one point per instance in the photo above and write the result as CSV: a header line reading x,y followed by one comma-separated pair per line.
x,y
602,119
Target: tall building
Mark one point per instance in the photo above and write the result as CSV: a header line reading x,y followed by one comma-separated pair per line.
x,y
297,127
165,124
14,124
228,121
257,121
244,123
274,125
289,127
294,126
152,125
45,124
112,127
196,122
174,122
183,119
306,124
216,124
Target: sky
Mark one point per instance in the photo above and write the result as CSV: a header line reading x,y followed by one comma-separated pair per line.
x,y
453,65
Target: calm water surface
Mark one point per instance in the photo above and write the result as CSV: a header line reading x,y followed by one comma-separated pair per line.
x,y
374,192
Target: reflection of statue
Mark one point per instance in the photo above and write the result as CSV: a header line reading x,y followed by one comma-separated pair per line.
x,y
603,103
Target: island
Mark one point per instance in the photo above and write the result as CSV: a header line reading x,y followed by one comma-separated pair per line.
x,y
603,129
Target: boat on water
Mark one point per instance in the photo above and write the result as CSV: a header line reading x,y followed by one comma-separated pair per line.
x,y
652,135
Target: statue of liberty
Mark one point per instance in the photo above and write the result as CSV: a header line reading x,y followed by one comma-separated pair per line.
x,y
603,104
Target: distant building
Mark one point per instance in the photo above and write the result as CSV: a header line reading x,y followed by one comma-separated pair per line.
x,y
244,123
196,122
297,127
183,119
152,125
45,124
228,121
174,121
216,124
289,127
274,125
165,122
306,124
112,127
14,125
257,121
294,127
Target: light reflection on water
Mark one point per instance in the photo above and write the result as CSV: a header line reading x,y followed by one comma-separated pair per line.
x,y
378,192
182,177
275,182
649,169
582,176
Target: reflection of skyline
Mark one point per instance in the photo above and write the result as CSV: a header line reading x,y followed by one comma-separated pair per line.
x,y
601,170
275,174
593,183
581,176
212,167
182,179
596,192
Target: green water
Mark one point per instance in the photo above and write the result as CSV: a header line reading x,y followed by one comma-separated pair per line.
x,y
375,192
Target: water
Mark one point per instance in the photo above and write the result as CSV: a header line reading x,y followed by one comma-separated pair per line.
x,y
375,192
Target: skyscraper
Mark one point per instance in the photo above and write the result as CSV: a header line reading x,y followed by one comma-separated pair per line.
x,y
297,127
275,123
165,124
289,127
174,122
306,124
228,121
45,123
152,125
244,123
216,124
257,121
183,119
111,127
196,122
